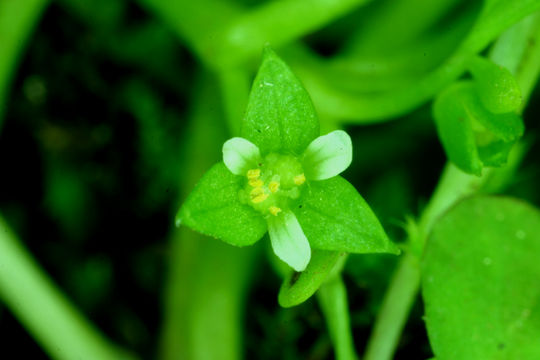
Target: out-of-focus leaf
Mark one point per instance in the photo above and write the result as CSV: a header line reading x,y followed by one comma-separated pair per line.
x,y
480,281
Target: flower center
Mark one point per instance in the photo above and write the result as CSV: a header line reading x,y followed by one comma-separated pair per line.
x,y
273,184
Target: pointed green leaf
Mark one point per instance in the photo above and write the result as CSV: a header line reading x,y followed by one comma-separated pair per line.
x,y
213,208
280,116
299,286
480,281
496,86
335,217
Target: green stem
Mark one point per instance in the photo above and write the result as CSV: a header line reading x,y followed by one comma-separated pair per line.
x,y
235,85
365,108
207,282
390,26
224,36
277,23
40,306
453,186
17,20
395,308
404,285
332,296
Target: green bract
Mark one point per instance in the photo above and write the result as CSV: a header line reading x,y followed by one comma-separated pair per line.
x,y
281,177
496,87
472,135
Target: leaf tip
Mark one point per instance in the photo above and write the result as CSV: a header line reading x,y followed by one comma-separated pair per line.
x,y
267,50
183,217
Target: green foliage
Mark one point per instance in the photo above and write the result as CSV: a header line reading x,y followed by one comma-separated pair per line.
x,y
480,281
335,217
214,209
299,286
472,136
496,86
279,116
118,109
261,186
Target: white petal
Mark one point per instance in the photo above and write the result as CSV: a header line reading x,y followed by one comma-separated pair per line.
x,y
288,240
328,155
240,155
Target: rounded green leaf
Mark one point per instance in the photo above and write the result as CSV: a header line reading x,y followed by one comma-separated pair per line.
x,y
480,281
280,116
335,217
496,86
214,209
299,286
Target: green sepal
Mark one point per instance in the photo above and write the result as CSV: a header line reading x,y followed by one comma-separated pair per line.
x,y
454,126
280,116
335,217
496,87
480,274
213,208
472,136
299,286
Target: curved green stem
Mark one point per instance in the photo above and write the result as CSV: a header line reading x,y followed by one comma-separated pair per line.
x,y
277,23
27,291
357,107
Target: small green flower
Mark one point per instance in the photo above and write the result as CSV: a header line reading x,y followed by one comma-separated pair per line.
x,y
282,178
273,185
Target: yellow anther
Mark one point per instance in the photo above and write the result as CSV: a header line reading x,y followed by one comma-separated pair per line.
x,y
259,198
255,183
257,195
253,173
274,210
257,191
300,179
273,186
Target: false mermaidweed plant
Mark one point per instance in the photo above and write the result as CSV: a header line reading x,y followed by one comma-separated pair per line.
x,y
282,177
474,257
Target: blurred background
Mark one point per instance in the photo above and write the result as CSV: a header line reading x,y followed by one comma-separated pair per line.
x,y
113,110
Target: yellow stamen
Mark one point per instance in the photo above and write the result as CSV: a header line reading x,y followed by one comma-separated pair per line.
x,y
255,183
257,195
300,179
253,173
259,198
274,210
273,186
